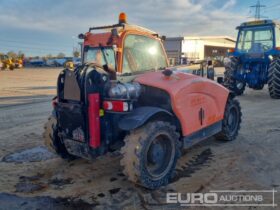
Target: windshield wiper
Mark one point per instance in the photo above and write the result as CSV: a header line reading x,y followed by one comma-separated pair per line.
x,y
126,74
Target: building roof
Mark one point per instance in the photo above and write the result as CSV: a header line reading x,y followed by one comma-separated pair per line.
x,y
210,38
201,38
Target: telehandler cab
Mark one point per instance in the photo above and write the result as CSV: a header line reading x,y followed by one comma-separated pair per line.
x,y
124,97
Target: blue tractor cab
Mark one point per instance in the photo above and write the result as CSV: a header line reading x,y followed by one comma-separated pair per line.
x,y
255,61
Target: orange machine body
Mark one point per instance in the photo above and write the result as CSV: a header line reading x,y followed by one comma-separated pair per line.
x,y
189,95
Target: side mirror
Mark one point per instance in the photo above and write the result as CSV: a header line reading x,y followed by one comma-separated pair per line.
x,y
81,36
211,73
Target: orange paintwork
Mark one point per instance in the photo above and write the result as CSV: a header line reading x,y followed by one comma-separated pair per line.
x,y
106,39
190,93
94,40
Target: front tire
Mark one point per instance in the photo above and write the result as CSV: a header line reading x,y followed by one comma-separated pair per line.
x,y
274,78
231,122
52,140
150,154
230,82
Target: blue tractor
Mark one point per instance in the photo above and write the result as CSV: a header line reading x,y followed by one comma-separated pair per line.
x,y
255,61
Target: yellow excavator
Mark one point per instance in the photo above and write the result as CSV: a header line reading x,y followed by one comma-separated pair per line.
x,y
18,62
6,62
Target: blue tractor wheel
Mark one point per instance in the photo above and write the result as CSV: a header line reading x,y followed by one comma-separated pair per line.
x,y
150,154
230,82
274,78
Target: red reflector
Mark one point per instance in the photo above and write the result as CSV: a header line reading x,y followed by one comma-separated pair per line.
x,y
107,105
116,106
94,120
54,102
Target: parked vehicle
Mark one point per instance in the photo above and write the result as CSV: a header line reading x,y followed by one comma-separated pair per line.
x,y
124,97
255,61
6,62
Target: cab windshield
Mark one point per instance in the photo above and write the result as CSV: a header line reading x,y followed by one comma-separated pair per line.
x,y
142,53
255,40
100,55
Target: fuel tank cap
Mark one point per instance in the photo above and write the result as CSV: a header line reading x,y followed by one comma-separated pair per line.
x,y
167,72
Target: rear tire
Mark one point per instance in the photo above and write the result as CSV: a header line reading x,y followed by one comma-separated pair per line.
x,y
231,122
229,81
274,78
150,154
53,141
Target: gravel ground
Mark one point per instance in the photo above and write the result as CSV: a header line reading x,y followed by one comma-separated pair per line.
x,y
45,181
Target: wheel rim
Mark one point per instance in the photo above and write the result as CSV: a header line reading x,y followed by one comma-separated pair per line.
x,y
159,156
233,120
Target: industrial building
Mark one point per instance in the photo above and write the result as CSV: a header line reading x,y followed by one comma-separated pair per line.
x,y
183,50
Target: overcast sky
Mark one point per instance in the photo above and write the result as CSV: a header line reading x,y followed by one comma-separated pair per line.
x,y
51,26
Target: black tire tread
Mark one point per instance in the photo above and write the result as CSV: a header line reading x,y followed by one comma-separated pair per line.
x,y
51,140
224,134
274,78
229,81
134,143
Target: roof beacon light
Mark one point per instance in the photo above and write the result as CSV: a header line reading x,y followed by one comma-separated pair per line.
x,y
122,18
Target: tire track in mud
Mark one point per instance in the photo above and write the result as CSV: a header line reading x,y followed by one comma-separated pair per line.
x,y
153,199
157,199
195,164
115,197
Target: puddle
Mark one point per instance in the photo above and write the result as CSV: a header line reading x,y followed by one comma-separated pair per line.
x,y
112,179
61,182
28,187
101,195
30,184
114,191
35,154
10,201
31,178
121,174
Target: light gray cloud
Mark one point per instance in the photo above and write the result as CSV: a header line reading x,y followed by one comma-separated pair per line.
x,y
172,18
228,4
54,23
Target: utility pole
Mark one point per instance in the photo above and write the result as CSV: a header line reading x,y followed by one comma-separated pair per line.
x,y
258,7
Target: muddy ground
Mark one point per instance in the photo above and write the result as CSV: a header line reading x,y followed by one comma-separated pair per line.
x,y
33,178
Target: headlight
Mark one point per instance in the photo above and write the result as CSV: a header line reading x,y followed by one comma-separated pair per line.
x,y
125,90
227,61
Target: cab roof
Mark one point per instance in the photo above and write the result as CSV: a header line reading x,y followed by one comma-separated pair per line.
x,y
258,23
107,35
121,27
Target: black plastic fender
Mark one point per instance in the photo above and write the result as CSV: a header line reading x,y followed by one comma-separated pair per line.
x,y
140,116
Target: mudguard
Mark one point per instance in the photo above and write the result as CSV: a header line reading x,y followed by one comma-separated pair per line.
x,y
140,116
